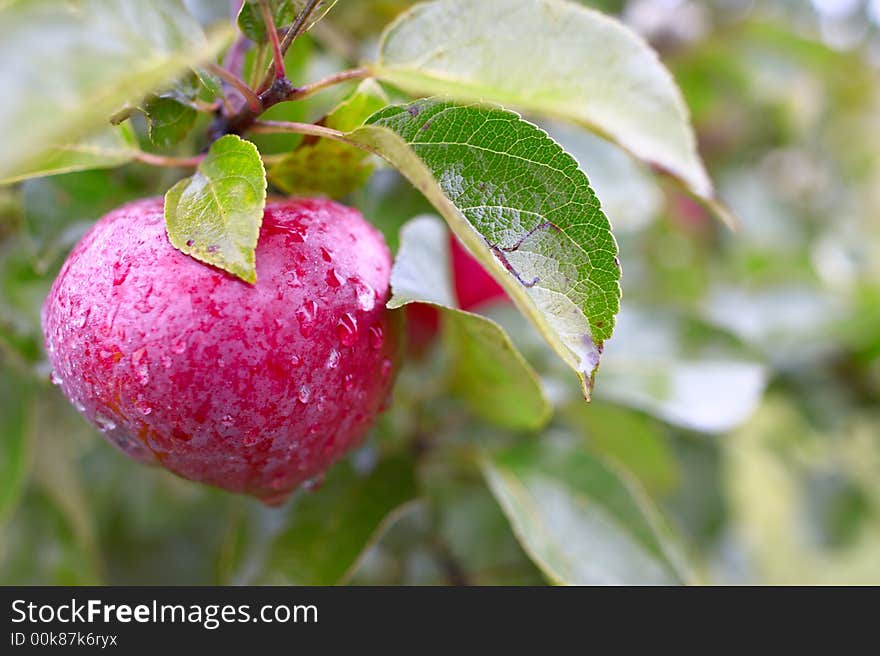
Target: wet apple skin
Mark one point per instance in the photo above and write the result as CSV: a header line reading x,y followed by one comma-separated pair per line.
x,y
251,388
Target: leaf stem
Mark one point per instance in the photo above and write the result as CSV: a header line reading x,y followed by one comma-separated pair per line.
x,y
277,55
252,99
297,128
297,28
167,161
330,80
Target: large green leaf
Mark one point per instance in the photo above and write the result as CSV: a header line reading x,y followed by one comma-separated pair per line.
x,y
15,405
326,532
68,66
578,519
332,168
215,214
551,57
112,146
487,370
522,206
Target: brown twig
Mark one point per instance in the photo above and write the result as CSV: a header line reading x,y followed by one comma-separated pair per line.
x,y
277,55
297,128
167,161
298,27
330,80
252,99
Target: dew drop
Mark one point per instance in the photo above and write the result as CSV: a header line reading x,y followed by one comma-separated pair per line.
x,y
179,346
332,359
105,424
326,255
226,420
314,484
166,362
376,337
347,329
348,382
143,406
366,296
79,406
295,361
306,316
333,279
53,378
386,367
304,394
82,318
120,272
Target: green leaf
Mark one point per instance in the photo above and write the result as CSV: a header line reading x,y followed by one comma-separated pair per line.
x,y
487,371
579,520
326,532
15,395
332,168
111,147
68,66
522,206
550,57
168,120
215,214
250,18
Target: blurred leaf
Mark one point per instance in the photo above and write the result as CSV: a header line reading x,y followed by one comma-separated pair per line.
x,y
90,58
550,57
250,18
632,440
579,520
15,410
779,475
487,370
325,533
473,533
215,214
111,147
168,120
331,168
520,204
646,367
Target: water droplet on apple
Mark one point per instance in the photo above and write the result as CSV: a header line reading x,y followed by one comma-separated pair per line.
x,y
366,296
306,316
304,394
332,359
104,423
333,279
314,484
348,382
376,337
347,329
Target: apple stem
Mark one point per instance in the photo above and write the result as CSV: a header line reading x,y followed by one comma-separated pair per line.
x,y
277,55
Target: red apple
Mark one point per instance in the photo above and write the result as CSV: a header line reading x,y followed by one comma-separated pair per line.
x,y
252,388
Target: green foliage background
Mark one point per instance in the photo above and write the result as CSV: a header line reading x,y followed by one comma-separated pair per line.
x,y
737,411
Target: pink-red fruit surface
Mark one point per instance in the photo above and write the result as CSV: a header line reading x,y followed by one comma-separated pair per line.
x,y
252,388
